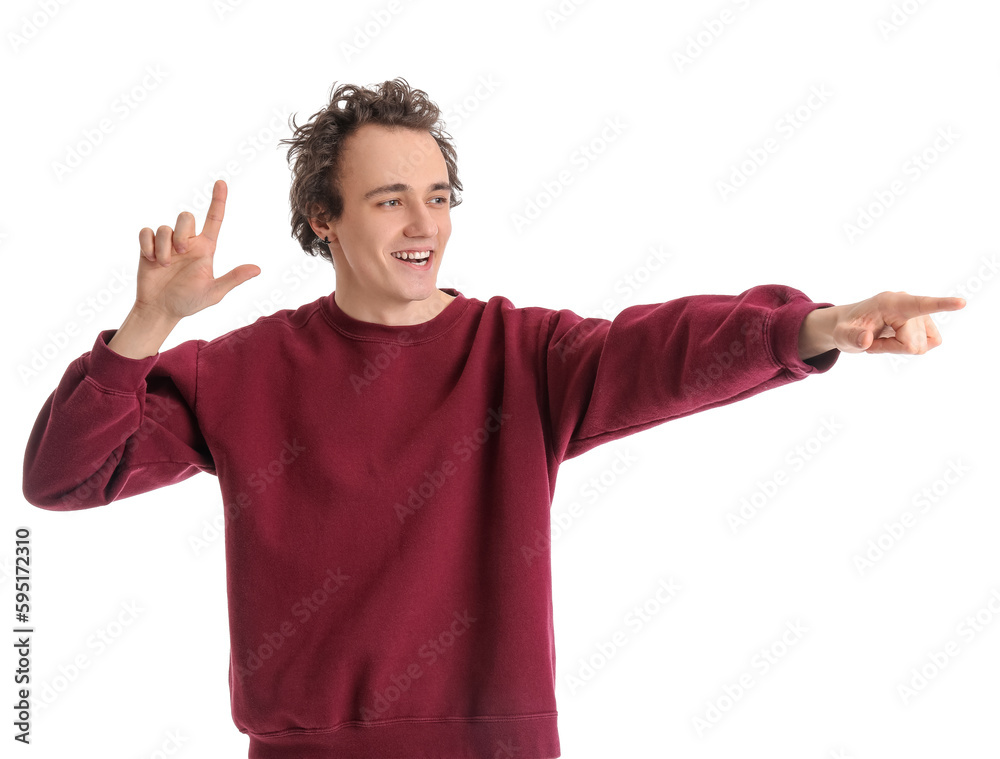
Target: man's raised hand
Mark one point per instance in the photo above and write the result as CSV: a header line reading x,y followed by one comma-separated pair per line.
x,y
175,277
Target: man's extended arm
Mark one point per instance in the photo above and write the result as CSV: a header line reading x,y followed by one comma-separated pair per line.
x,y
654,362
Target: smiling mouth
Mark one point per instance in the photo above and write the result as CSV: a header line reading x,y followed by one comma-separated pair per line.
x,y
420,261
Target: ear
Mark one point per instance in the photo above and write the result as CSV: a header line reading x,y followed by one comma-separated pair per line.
x,y
319,228
317,218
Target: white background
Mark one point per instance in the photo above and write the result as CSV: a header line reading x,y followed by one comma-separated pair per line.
x,y
893,83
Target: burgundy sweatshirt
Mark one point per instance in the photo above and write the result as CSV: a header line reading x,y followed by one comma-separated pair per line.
x,y
387,493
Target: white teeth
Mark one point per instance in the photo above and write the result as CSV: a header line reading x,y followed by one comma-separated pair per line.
x,y
412,256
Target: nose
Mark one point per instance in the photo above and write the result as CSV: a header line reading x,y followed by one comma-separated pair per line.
x,y
420,223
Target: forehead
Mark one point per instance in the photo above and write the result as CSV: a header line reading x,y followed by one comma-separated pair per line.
x,y
378,153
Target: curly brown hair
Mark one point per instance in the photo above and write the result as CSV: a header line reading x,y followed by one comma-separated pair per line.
x,y
317,147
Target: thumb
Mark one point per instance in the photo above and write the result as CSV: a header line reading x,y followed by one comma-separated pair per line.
x,y
863,338
228,281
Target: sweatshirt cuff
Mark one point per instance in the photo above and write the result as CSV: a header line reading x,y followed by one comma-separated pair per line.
x,y
113,371
785,327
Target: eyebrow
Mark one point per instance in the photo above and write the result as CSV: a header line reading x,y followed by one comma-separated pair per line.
x,y
400,187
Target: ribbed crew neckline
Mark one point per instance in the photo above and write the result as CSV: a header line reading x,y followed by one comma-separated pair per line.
x,y
401,333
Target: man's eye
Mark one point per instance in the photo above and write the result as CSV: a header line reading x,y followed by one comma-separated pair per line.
x,y
444,201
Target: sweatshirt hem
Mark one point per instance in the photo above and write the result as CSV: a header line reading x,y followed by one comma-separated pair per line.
x,y
526,736
783,327
111,372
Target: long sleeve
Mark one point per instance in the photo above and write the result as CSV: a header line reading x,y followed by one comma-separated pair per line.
x,y
115,427
606,379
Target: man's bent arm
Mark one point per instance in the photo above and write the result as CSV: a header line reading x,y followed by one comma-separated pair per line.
x,y
116,426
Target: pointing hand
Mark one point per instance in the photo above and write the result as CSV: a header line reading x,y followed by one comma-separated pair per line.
x,y
175,275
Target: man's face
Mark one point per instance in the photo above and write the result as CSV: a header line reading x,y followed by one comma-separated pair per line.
x,y
394,183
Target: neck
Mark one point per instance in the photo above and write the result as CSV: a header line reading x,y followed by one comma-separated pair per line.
x,y
391,312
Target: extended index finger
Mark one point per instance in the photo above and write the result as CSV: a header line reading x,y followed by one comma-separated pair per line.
x,y
918,305
216,210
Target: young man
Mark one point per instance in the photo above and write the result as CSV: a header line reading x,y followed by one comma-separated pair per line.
x,y
388,453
